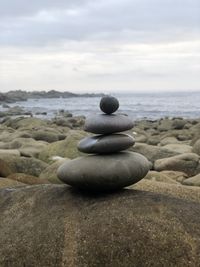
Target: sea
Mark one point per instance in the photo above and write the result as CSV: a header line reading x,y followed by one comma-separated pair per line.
x,y
137,105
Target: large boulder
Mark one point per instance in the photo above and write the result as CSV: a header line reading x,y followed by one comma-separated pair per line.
x,y
18,164
52,225
152,153
66,148
187,162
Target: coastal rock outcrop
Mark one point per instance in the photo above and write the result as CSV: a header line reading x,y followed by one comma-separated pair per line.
x,y
52,225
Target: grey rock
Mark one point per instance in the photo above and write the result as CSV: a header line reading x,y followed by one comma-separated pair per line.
x,y
104,173
187,162
109,104
152,153
107,124
54,226
192,181
105,144
196,147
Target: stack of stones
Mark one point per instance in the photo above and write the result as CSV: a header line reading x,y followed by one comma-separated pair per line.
x,y
109,167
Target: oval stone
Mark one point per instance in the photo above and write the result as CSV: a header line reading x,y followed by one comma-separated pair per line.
x,y
104,173
109,104
107,124
105,144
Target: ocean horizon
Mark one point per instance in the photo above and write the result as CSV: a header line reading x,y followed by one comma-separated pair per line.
x,y
136,105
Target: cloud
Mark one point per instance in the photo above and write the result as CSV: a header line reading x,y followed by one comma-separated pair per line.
x,y
93,44
44,22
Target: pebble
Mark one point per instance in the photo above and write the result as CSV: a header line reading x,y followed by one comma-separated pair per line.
x,y
109,104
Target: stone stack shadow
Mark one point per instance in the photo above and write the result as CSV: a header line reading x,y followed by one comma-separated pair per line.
x,y
108,167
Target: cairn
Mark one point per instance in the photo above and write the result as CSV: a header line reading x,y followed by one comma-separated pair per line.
x,y
109,167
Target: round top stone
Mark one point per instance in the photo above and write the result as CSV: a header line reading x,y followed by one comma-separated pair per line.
x,y
109,104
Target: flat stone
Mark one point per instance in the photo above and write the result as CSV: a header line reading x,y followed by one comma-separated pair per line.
x,y
104,173
107,124
105,144
109,104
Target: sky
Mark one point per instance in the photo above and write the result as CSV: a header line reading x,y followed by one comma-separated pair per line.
x,y
100,45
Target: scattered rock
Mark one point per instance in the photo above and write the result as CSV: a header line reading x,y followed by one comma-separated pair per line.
x,y
45,136
18,164
50,173
193,181
178,124
188,163
159,177
196,147
4,169
179,148
66,148
175,175
152,153
8,183
27,179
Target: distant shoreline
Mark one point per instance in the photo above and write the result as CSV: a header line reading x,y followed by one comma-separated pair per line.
x,y
20,95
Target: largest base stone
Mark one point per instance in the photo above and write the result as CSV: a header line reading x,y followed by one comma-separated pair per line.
x,y
104,172
54,226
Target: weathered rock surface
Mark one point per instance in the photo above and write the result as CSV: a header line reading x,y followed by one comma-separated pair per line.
x,y
193,181
50,173
179,148
4,168
160,177
152,153
18,164
105,144
27,179
196,147
104,173
66,148
54,226
108,124
189,193
9,183
188,163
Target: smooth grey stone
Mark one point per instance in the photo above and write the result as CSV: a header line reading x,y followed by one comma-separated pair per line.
x,y
107,124
105,144
104,173
109,104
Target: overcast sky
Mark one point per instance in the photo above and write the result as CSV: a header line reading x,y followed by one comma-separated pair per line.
x,y
100,45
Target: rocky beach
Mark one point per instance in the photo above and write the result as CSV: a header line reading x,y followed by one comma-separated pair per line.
x,y
45,222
